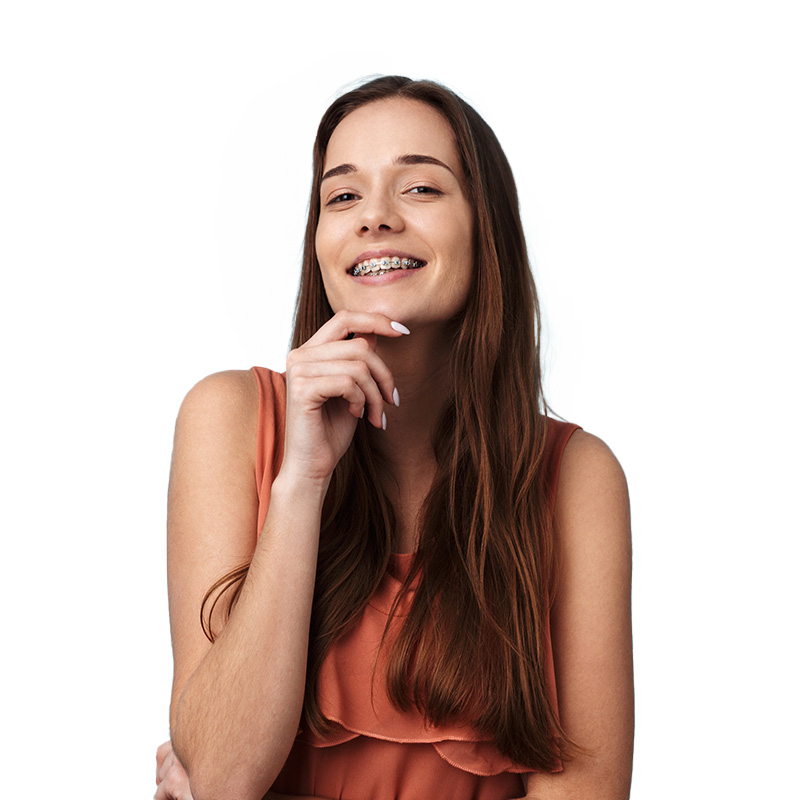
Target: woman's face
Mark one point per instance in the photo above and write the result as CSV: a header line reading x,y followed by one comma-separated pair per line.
x,y
395,227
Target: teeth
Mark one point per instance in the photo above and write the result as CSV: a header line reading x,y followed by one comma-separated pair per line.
x,y
380,266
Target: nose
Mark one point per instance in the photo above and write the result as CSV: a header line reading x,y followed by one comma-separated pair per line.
x,y
379,214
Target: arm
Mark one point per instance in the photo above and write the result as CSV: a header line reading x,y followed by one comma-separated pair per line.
x,y
236,704
173,782
248,686
591,627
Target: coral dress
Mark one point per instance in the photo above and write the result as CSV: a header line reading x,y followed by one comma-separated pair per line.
x,y
375,751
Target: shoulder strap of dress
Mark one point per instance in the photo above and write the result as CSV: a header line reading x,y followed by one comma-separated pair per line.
x,y
269,433
558,434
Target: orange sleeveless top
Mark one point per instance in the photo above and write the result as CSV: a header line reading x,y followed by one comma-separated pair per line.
x,y
376,751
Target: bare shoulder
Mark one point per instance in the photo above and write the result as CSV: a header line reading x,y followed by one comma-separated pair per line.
x,y
229,393
222,407
589,463
591,483
592,514
214,453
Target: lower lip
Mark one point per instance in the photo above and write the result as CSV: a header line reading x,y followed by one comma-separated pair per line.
x,y
389,277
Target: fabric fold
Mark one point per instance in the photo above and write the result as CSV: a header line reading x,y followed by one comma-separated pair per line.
x,y
357,662
367,728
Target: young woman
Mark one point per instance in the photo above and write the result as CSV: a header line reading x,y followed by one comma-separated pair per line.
x,y
412,582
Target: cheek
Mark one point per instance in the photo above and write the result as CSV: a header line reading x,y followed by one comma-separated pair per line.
x,y
320,242
328,239
323,246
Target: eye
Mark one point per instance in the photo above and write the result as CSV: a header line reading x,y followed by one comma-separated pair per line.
x,y
344,197
424,190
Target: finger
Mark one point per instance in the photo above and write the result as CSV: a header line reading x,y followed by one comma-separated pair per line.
x,y
166,764
384,379
162,750
315,384
161,753
357,351
316,390
174,787
344,323
161,793
353,383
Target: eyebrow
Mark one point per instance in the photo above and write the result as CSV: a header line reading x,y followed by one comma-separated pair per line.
x,y
407,160
342,169
419,159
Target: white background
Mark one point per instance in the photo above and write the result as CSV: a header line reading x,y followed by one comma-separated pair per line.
x,y
154,172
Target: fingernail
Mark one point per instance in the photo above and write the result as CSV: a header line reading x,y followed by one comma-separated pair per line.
x,y
363,409
383,420
396,397
400,328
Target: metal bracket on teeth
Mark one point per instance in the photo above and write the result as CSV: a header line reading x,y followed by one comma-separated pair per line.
x,y
386,264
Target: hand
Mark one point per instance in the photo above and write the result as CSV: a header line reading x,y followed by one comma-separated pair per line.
x,y
332,380
171,777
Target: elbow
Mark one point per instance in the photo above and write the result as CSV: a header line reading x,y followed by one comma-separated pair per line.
x,y
220,766
212,776
236,784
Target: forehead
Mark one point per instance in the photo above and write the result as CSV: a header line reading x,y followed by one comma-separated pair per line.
x,y
380,131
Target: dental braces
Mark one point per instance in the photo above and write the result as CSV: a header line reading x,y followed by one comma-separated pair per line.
x,y
379,264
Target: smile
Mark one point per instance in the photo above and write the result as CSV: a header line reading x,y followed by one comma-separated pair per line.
x,y
380,266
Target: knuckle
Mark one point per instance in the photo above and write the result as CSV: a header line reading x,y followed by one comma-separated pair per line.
x,y
174,782
297,372
342,318
299,385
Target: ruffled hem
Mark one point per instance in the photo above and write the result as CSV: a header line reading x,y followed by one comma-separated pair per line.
x,y
472,755
351,695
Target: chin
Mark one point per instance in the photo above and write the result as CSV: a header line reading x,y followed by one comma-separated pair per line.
x,y
393,311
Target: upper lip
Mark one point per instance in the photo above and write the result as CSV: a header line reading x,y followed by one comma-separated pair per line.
x,y
383,254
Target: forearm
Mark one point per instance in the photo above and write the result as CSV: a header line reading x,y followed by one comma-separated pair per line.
x,y
580,780
234,722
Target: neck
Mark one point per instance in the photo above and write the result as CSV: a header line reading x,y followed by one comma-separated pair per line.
x,y
420,364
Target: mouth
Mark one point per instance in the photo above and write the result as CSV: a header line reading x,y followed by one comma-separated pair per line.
x,y
374,267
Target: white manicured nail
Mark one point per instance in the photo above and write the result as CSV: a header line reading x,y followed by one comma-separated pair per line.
x,y
396,397
363,409
400,328
383,420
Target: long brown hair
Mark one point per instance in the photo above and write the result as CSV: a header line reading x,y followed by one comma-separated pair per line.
x,y
483,570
